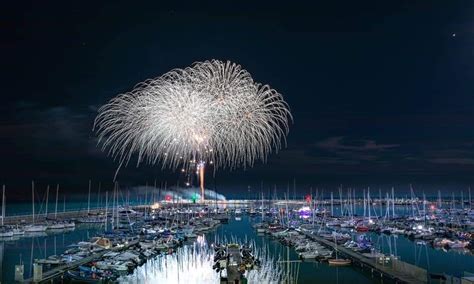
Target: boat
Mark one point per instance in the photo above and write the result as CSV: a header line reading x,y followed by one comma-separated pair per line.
x,y
69,224
83,277
34,228
18,231
362,228
6,233
56,226
339,262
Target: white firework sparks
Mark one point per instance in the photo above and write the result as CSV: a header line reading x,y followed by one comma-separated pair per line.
x,y
192,264
212,112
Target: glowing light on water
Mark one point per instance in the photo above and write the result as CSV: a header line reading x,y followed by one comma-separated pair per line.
x,y
193,265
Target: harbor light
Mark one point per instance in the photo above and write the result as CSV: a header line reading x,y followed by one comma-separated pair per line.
x,y
304,212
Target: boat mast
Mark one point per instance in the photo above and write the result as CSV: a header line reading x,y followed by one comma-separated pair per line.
x,y
33,200
380,202
47,201
3,204
364,203
332,204
113,204
98,196
117,216
146,197
393,202
439,198
56,207
340,199
294,189
106,206
470,200
89,198
368,201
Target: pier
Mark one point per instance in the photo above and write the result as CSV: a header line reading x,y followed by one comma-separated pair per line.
x,y
60,270
235,259
397,270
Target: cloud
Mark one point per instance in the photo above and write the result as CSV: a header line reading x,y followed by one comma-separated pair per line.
x,y
338,143
453,161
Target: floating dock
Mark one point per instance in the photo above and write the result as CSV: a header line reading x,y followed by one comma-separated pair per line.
x,y
56,272
397,270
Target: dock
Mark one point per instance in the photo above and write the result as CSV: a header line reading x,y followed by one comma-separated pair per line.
x,y
397,270
56,272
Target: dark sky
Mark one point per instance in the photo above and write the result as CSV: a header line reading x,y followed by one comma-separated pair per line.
x,y
382,92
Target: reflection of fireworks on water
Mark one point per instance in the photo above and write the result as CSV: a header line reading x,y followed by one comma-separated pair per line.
x,y
193,264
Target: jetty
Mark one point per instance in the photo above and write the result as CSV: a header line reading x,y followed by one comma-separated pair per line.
x,y
235,259
56,272
397,270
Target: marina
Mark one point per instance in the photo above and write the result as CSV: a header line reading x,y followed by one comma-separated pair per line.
x,y
364,244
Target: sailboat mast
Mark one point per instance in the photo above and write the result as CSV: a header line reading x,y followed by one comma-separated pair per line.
x,y
98,196
380,201
3,204
106,206
340,199
56,207
332,204
364,203
470,200
439,198
47,201
393,202
89,198
33,200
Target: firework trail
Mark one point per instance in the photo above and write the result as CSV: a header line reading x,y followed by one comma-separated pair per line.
x,y
212,112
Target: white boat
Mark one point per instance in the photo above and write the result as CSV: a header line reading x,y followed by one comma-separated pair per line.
x,y
69,224
6,233
18,231
458,244
309,255
56,226
35,228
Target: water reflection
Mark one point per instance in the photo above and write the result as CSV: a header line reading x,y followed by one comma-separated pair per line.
x,y
193,264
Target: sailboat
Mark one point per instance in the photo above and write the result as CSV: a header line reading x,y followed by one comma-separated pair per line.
x,y
32,228
59,225
338,261
4,232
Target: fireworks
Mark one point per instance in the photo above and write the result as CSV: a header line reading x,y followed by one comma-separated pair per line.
x,y
210,113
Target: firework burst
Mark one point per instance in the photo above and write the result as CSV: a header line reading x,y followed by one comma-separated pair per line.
x,y
211,112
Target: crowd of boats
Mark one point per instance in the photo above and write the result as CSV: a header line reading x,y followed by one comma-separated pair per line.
x,y
131,235
129,239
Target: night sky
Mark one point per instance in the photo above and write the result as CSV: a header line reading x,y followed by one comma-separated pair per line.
x,y
382,92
